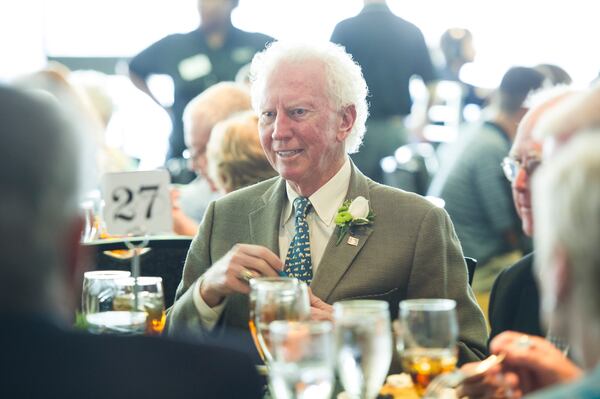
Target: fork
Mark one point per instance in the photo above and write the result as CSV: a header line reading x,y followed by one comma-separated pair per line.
x,y
440,384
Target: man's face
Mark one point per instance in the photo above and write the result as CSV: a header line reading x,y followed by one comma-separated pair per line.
x,y
301,132
527,153
214,13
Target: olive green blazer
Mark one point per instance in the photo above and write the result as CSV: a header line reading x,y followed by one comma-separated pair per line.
x,y
409,251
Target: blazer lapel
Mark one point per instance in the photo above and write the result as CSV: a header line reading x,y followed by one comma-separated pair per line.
x,y
264,220
264,230
338,258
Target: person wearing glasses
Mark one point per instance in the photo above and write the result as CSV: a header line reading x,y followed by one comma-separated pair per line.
x,y
514,299
476,194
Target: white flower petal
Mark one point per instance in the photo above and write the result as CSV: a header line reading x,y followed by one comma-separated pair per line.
x,y
359,208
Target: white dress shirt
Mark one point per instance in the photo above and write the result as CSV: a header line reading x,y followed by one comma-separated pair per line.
x,y
325,203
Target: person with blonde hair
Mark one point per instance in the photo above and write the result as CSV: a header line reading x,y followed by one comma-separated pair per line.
x,y
235,156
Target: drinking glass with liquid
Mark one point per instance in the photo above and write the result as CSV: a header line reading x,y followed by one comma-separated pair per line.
x,y
275,298
137,307
302,364
364,346
426,339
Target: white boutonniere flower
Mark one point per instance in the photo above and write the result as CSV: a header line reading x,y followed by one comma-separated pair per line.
x,y
351,214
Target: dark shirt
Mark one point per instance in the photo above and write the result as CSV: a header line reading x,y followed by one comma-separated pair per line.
x,y
514,301
194,66
389,50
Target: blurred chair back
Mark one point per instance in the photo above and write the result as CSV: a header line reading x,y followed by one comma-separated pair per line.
x,y
411,168
164,257
471,266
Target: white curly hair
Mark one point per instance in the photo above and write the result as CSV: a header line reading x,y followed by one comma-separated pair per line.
x,y
345,82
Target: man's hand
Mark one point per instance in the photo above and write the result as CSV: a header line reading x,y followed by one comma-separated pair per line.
x,y
534,361
319,310
493,383
226,276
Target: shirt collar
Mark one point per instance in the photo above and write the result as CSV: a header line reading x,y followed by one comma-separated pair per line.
x,y
327,199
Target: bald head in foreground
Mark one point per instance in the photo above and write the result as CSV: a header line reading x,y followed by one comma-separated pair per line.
x,y
42,268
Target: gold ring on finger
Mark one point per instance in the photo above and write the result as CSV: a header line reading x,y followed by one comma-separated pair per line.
x,y
246,275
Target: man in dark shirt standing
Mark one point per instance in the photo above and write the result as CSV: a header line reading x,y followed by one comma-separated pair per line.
x,y
389,50
212,53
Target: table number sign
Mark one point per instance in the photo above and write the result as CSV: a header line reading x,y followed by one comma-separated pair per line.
x,y
137,203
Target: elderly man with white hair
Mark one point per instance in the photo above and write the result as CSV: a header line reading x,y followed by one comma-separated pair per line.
x,y
311,102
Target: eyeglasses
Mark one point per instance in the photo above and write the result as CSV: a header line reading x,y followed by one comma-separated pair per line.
x,y
511,167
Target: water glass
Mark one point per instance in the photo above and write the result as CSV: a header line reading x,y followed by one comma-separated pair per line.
x,y
364,346
426,339
98,285
302,365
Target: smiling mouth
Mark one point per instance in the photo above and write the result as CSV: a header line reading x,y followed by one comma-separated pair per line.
x,y
288,154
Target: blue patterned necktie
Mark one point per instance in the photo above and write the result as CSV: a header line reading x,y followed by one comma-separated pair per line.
x,y
298,263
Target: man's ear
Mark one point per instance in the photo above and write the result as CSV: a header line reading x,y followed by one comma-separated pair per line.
x,y
77,259
347,121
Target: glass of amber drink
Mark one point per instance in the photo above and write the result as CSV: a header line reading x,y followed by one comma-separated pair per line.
x,y
426,337
144,294
275,298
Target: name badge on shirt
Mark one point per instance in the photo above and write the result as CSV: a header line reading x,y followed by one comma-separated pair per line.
x,y
194,67
242,55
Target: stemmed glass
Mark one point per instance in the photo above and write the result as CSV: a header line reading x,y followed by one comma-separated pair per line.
x,y
275,298
426,337
302,364
364,346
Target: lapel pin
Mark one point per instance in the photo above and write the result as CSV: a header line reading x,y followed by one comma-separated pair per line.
x,y
353,241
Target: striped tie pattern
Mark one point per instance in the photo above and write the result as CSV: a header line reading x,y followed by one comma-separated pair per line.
x,y
297,262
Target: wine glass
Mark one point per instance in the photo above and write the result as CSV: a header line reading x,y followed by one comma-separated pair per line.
x,y
275,298
302,364
364,346
426,338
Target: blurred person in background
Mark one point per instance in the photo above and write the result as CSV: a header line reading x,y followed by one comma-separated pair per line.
x,y
456,45
390,50
211,106
235,157
554,74
477,195
212,53
41,273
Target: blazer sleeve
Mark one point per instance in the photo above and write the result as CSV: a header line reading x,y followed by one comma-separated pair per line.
x,y
183,317
439,271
